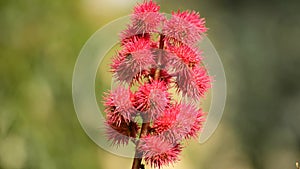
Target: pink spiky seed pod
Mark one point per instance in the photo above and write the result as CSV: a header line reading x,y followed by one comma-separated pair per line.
x,y
193,18
119,106
191,80
166,120
152,99
184,80
180,121
159,152
189,55
132,59
184,27
146,17
147,6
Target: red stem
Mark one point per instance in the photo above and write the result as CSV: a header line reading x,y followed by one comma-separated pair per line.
x,y
144,130
137,160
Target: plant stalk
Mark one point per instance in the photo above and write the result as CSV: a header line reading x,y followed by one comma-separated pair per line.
x,y
146,120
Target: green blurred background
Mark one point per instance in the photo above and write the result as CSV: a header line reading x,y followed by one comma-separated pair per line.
x,y
258,42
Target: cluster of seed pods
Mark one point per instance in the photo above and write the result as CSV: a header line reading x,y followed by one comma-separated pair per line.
x,y
161,80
